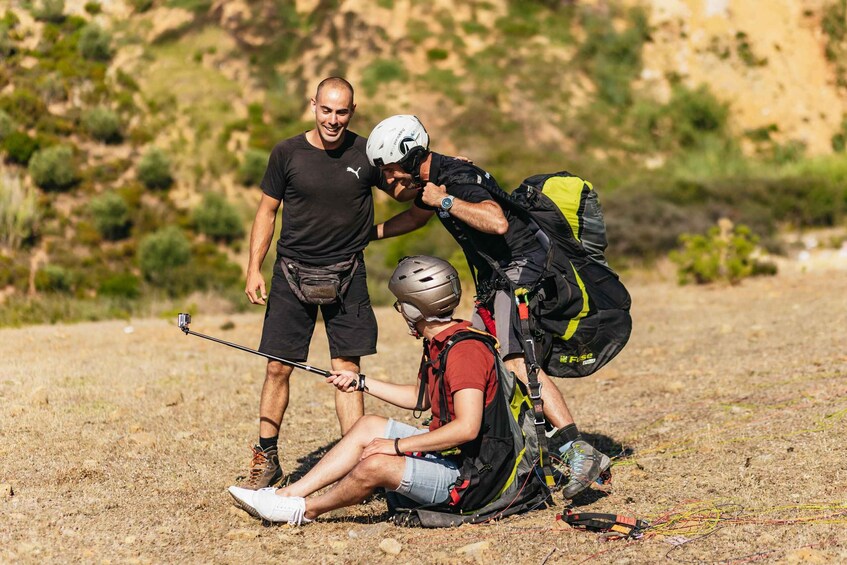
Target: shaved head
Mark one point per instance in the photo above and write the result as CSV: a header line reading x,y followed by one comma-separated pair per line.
x,y
335,83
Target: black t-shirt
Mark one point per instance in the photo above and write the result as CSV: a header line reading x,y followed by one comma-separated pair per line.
x,y
327,201
516,243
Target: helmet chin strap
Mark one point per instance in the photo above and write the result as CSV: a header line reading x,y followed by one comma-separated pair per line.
x,y
412,164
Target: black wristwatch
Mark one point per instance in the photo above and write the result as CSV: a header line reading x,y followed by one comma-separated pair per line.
x,y
447,202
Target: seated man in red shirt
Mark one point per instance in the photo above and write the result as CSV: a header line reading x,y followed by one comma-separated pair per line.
x,y
380,452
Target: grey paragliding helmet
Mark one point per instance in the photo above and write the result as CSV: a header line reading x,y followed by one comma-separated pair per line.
x,y
426,288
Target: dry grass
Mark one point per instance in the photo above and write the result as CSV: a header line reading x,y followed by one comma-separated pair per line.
x,y
731,403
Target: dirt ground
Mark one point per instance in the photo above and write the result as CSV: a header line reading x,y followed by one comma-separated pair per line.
x,y
726,412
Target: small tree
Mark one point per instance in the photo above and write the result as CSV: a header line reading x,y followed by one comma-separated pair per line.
x,y
218,219
95,43
102,124
111,216
725,253
19,212
19,147
53,168
7,125
253,167
161,256
154,169
50,10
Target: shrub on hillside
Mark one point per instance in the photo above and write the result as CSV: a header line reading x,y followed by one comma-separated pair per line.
x,y
7,47
93,8
24,105
122,285
111,216
49,10
154,169
53,168
19,212
161,256
95,43
7,125
19,147
218,219
379,72
53,278
725,253
695,114
102,124
253,167
140,6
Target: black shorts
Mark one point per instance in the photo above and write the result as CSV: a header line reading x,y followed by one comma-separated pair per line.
x,y
289,324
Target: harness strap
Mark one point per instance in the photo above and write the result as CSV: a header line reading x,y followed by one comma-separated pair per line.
x,y
532,368
424,377
622,526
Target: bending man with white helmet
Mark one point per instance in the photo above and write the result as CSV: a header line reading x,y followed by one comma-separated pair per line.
x,y
380,452
461,194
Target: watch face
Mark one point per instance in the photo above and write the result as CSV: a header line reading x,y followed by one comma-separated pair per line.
x,y
447,202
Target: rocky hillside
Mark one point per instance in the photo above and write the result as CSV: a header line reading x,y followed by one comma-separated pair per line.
x,y
133,133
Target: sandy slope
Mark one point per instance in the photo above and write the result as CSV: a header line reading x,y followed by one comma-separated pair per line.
x,y
119,446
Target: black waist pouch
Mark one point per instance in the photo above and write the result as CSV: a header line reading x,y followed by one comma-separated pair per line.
x,y
319,284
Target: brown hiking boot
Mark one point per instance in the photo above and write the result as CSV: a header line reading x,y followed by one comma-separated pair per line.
x,y
264,469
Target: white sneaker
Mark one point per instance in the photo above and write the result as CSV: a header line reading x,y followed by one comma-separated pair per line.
x,y
275,508
244,499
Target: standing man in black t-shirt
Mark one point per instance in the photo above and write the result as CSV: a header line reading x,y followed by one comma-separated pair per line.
x,y
325,181
461,194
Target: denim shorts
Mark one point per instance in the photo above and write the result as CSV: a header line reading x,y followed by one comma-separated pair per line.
x,y
426,479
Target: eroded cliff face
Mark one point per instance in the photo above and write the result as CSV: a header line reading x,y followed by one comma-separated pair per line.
x,y
765,57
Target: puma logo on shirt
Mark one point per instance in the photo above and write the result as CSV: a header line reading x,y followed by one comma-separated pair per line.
x,y
355,172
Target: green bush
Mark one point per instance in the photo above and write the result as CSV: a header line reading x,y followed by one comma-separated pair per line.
x,y
95,43
154,169
140,6
725,253
123,285
24,105
7,46
53,168
102,124
7,125
93,8
111,216
253,167
695,114
19,212
437,54
53,278
218,219
50,11
162,254
19,147
381,71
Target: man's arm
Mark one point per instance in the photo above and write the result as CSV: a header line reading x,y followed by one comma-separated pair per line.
x,y
404,396
260,241
486,216
404,222
468,405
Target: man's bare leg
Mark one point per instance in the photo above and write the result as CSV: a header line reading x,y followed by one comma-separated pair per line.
x,y
341,459
349,407
555,408
375,471
274,399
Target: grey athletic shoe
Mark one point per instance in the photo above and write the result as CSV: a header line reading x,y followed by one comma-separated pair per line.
x,y
264,469
584,466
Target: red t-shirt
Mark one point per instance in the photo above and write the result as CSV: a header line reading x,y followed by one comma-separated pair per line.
x,y
470,364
